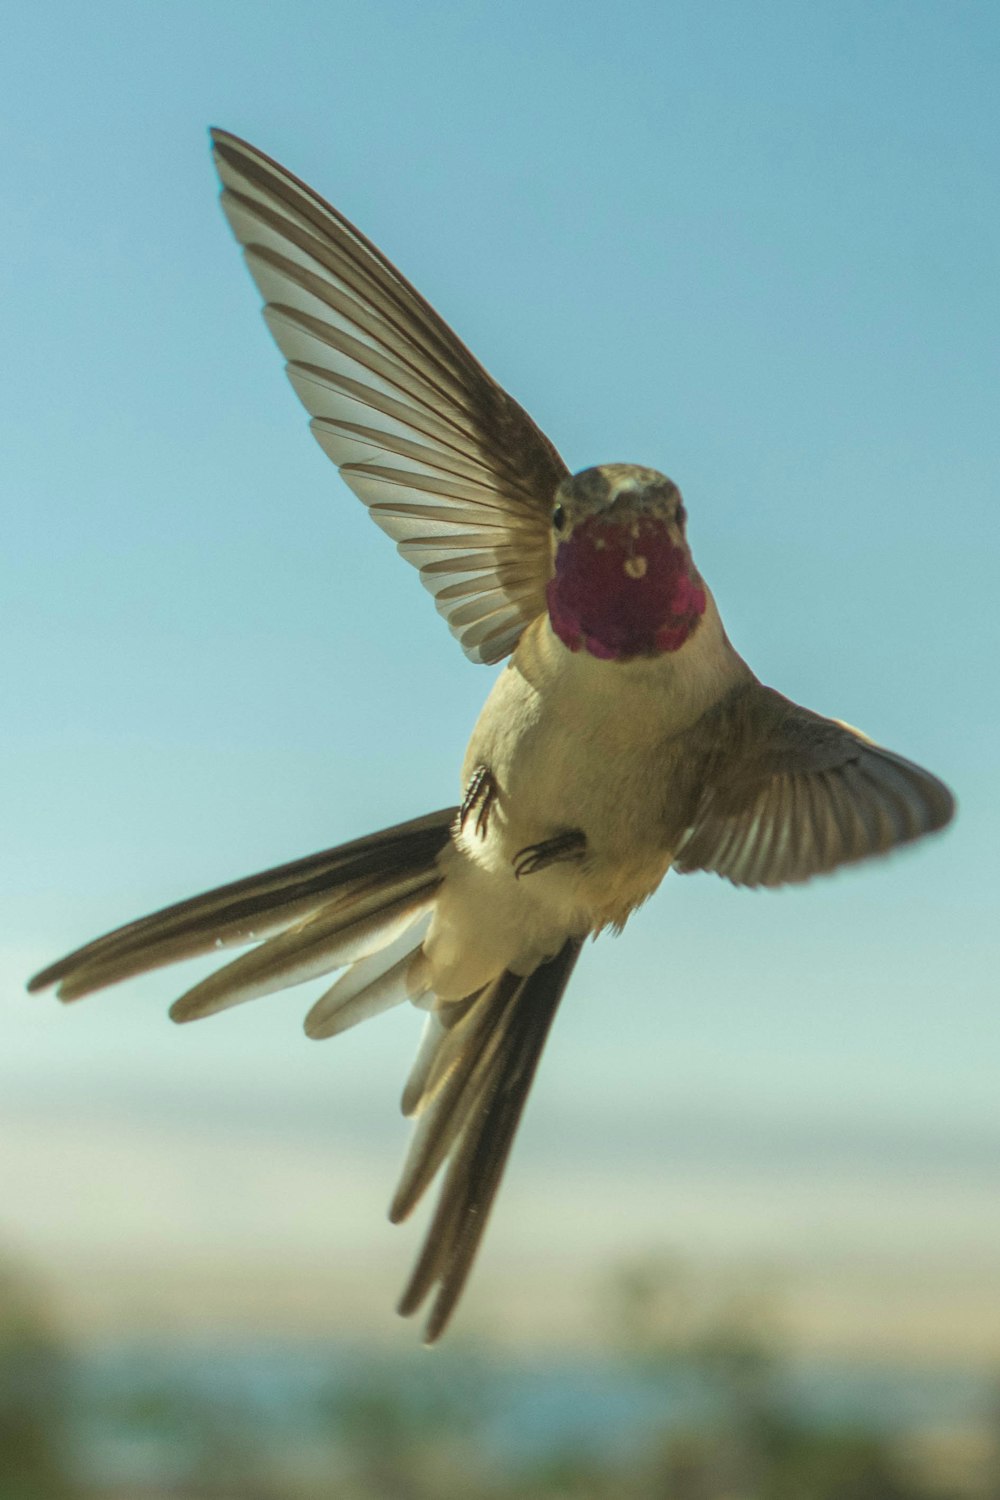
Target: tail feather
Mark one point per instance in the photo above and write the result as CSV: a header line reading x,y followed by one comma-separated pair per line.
x,y
375,982
522,1011
248,910
365,907
456,1080
415,1088
428,1064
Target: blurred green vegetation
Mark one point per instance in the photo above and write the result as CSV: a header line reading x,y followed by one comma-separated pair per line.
x,y
711,1359
35,1377
754,1443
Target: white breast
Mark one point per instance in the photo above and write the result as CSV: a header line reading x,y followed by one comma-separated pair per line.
x,y
572,743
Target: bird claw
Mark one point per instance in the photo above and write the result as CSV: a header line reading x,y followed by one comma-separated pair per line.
x,y
564,847
480,795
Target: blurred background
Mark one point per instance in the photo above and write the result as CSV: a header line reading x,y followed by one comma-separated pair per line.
x,y
749,1242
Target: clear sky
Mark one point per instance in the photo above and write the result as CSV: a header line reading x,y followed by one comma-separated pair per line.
x,y
755,246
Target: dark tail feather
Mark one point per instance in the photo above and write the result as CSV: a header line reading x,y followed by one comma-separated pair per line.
x,y
343,892
474,1094
364,907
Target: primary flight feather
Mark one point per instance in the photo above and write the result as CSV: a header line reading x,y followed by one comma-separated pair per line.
x,y
625,736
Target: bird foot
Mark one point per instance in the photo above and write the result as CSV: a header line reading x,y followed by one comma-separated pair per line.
x,y
480,795
564,847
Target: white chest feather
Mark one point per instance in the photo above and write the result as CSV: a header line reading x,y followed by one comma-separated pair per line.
x,y
572,743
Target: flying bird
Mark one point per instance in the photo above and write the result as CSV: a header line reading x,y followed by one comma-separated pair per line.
x,y
623,738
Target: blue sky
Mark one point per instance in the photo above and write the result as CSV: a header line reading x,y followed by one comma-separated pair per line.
x,y
753,246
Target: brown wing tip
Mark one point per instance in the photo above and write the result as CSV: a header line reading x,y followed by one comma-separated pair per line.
x,y
231,150
223,143
943,806
221,138
59,974
72,976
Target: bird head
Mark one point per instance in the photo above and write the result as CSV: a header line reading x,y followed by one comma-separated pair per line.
x,y
623,583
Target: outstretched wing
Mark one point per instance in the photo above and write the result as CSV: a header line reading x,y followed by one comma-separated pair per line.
x,y
447,463
305,919
784,794
364,907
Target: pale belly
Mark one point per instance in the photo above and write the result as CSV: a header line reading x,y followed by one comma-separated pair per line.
x,y
571,744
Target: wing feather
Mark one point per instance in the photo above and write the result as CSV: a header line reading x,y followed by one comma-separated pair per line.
x,y
326,904
441,455
784,794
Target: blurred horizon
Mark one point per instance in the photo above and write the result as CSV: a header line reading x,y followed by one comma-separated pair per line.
x,y
192,1213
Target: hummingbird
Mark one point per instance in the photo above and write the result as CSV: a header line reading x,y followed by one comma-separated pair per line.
x,y
624,737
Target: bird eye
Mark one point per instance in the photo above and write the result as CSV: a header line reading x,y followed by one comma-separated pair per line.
x,y
558,518
682,515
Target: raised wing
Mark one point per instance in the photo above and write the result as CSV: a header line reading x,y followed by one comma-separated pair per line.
x,y
784,794
446,462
